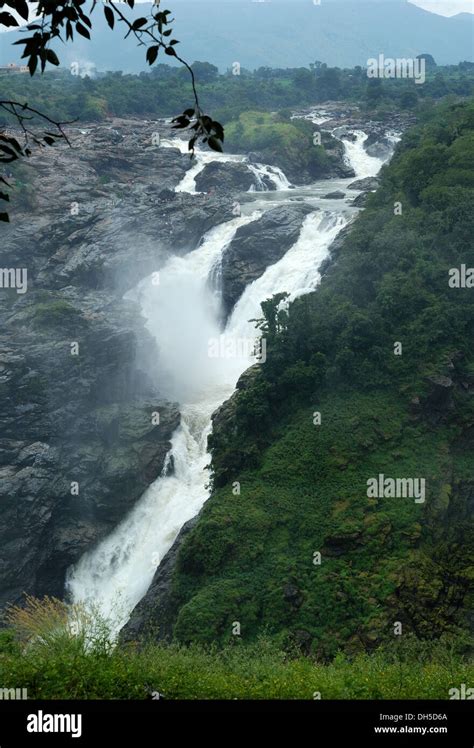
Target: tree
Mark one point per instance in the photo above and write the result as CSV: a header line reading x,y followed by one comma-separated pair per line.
x,y
429,60
52,21
205,72
304,79
409,100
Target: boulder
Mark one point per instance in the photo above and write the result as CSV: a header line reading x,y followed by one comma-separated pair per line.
x,y
367,184
231,176
336,195
256,246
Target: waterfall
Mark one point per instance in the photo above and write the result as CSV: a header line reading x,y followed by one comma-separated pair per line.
x,y
183,314
363,164
202,158
265,173
116,574
296,273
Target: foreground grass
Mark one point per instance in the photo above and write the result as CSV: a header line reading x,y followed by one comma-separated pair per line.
x,y
66,671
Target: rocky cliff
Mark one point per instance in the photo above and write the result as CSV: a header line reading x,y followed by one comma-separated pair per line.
x,y
79,442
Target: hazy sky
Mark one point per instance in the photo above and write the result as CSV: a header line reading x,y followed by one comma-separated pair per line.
x,y
446,7
442,7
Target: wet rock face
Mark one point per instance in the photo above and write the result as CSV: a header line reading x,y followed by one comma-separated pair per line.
x,y
360,200
155,614
368,183
83,230
79,437
336,195
225,177
79,443
256,246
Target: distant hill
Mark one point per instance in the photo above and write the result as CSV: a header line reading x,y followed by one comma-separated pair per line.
x,y
283,34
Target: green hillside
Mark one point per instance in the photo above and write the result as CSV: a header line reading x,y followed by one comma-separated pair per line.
x,y
303,487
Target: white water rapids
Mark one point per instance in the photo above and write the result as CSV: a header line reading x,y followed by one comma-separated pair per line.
x,y
183,314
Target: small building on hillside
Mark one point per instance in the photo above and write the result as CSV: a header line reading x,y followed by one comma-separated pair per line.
x,y
12,67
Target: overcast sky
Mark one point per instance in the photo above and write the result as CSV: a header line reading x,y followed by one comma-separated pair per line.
x,y
446,7
442,7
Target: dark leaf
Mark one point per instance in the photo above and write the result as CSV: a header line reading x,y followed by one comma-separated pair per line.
x,y
215,144
32,63
82,30
109,15
218,130
188,113
170,51
5,196
49,140
139,23
21,7
206,122
181,123
70,13
52,57
4,217
11,141
152,54
6,19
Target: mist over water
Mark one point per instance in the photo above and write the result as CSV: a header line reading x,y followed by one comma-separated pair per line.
x,y
183,313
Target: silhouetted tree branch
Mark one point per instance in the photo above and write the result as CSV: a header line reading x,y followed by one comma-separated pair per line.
x,y
53,20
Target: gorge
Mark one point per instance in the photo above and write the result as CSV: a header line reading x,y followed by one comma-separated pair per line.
x,y
183,313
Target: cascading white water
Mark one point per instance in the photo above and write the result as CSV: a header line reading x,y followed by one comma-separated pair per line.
x,y
263,173
116,575
202,158
296,273
363,164
183,314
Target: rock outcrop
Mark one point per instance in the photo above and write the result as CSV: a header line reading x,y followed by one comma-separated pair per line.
x,y
366,184
231,176
80,440
256,246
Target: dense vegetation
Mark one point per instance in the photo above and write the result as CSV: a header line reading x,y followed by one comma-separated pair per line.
x,y
60,664
165,90
285,142
250,559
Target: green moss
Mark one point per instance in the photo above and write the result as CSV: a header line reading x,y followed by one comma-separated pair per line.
x,y
55,313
